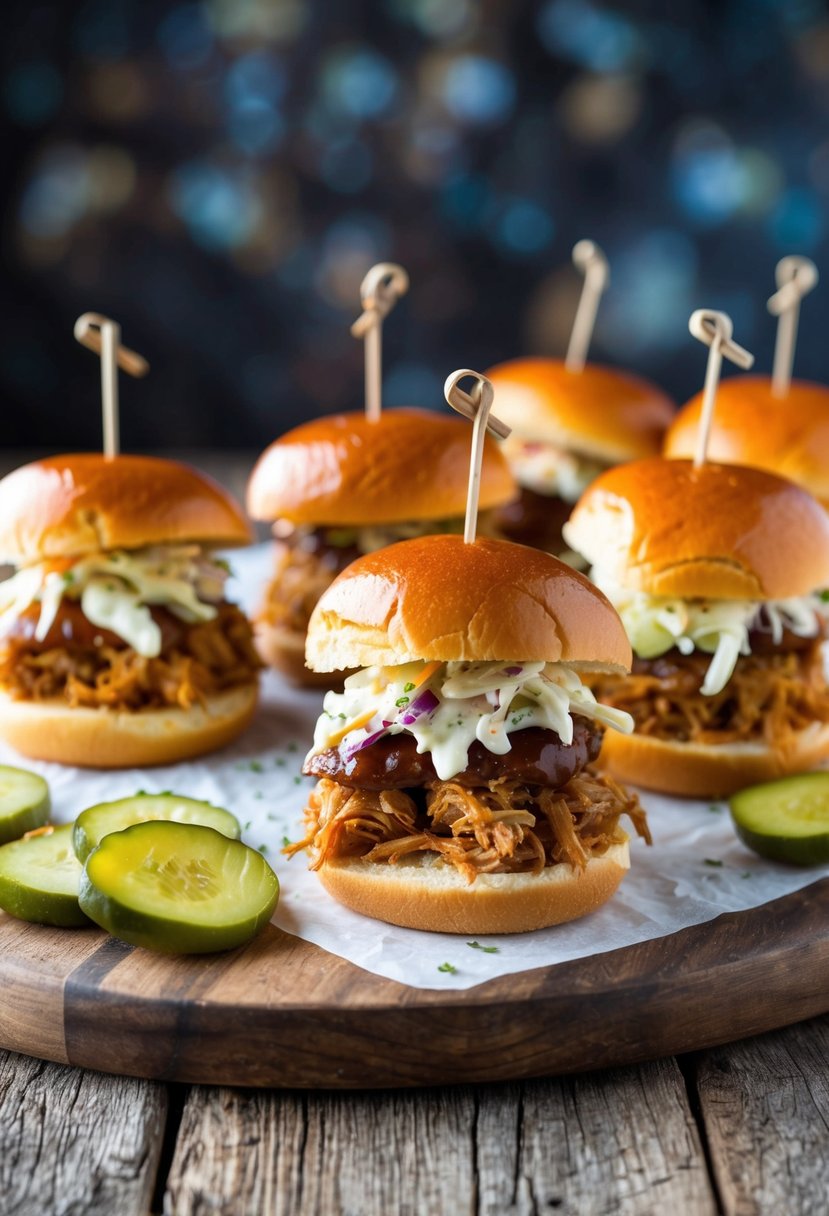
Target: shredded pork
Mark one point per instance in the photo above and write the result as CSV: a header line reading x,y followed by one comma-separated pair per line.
x,y
207,658
501,828
300,577
769,698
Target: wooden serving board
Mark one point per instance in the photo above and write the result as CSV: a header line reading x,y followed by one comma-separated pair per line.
x,y
282,1012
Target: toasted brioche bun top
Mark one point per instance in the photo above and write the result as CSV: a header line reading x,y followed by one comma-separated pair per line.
x,y
719,531
80,503
601,412
787,435
439,598
409,464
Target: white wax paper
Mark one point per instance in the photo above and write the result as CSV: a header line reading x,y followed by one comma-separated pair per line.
x,y
696,869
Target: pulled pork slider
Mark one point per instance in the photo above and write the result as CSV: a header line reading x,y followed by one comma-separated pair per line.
x,y
714,572
786,435
346,485
117,645
456,790
567,428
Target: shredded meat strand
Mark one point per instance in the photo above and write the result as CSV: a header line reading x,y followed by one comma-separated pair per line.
x,y
501,828
769,698
209,657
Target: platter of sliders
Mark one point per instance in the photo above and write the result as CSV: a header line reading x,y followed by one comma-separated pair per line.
x,y
504,757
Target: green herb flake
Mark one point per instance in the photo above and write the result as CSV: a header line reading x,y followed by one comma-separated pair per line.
x,y
292,747
255,766
747,874
263,848
270,816
485,949
408,687
68,577
401,701
246,826
297,780
280,762
448,969
286,840
712,861
714,809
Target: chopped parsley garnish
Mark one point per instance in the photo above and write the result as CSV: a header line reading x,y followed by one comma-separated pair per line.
x,y
255,766
263,848
712,861
747,874
824,595
286,840
401,701
408,687
297,780
448,969
292,747
485,949
246,826
280,762
68,576
714,809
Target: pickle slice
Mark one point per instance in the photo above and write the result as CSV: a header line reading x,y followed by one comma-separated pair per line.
x,y
786,820
39,878
177,887
24,802
94,824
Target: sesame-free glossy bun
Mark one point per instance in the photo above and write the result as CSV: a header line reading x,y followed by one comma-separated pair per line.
x,y
786,435
419,893
718,531
437,597
601,412
697,770
66,506
346,470
105,738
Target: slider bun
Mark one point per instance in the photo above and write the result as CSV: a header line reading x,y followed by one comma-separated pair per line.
x,y
67,506
788,435
284,650
345,470
104,738
420,893
600,412
437,597
697,770
719,531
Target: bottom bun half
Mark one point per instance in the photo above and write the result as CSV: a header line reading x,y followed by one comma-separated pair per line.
x,y
420,893
105,738
697,770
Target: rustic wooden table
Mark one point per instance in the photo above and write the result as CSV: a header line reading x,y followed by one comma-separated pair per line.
x,y
738,1129
741,1129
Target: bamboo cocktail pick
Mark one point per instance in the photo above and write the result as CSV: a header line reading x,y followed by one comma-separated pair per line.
x,y
715,330
589,259
380,290
103,335
796,277
475,405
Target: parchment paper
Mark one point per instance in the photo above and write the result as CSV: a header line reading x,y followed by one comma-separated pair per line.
x,y
696,869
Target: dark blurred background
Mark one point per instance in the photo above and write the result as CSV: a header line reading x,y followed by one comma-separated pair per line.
x,y
218,175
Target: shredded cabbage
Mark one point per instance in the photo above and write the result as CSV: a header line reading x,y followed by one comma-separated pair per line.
x,y
551,470
115,591
467,701
656,624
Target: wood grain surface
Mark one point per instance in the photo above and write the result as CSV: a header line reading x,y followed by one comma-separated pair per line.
x,y
282,1012
765,1104
587,1145
75,1142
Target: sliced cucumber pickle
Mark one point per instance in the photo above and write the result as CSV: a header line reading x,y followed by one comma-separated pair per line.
x,y
786,820
39,878
24,802
177,887
93,825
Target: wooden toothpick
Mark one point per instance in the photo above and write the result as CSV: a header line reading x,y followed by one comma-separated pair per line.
x,y
380,290
103,335
715,330
475,405
796,277
589,259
